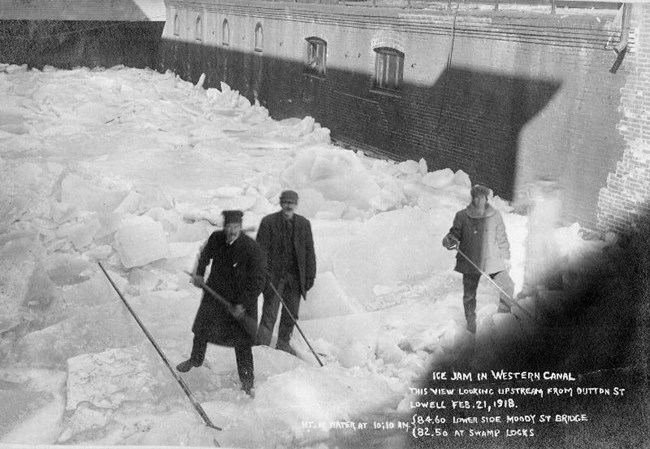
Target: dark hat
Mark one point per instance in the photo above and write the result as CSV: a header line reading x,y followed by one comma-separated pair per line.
x,y
232,216
479,190
289,195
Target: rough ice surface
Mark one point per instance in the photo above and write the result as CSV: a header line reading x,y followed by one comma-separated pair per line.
x,y
132,168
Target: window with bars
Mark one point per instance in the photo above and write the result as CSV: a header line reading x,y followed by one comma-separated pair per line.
x,y
259,37
225,33
316,56
389,68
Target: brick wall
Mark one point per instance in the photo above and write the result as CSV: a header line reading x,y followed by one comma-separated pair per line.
x,y
70,43
508,98
626,197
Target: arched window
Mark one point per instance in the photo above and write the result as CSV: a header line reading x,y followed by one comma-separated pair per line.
x,y
225,33
316,56
177,25
389,68
259,37
198,29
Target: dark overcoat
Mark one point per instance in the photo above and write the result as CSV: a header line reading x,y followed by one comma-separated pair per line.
x,y
237,274
482,238
269,237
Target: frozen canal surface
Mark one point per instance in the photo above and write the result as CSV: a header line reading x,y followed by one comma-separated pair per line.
x,y
132,168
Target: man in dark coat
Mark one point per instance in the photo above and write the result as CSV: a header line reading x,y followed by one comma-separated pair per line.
x,y
288,246
479,233
237,274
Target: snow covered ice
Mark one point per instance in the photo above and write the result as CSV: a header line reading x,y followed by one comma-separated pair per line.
x,y
132,168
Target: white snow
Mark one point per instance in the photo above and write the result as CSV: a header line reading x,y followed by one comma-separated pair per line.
x,y
133,168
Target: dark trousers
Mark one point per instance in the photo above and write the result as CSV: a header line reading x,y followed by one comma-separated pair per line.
x,y
290,292
243,354
470,284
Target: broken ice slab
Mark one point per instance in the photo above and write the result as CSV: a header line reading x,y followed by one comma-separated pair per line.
x,y
82,234
90,330
93,292
439,178
66,269
17,404
326,299
86,195
107,379
139,241
18,260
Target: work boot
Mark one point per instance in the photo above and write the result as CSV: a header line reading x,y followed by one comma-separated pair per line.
x,y
249,390
247,386
286,347
187,365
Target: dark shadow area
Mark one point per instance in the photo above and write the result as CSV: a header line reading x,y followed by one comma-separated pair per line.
x,y
595,329
466,120
594,341
68,44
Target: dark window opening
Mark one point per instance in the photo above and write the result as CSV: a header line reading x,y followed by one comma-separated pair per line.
x,y
225,33
389,68
176,25
316,56
259,37
198,29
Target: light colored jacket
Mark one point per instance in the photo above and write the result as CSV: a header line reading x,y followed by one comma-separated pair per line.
x,y
482,238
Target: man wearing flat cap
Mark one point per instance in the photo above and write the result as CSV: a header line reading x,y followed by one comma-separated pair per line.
x,y
237,275
287,243
479,233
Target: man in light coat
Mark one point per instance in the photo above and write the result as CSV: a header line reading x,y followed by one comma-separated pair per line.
x,y
288,246
478,232
236,274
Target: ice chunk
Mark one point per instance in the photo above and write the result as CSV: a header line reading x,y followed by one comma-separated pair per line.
x,y
93,292
426,340
409,167
423,166
392,247
144,199
326,299
140,241
84,418
354,354
110,223
390,352
338,174
293,397
390,196
311,201
82,235
98,253
462,179
243,202
86,195
65,269
17,404
62,212
41,290
90,330
185,429
109,378
439,178
18,261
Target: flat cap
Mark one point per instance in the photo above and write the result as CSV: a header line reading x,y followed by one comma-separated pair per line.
x,y
289,195
232,216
